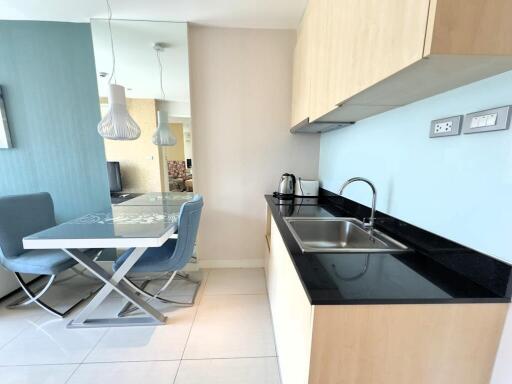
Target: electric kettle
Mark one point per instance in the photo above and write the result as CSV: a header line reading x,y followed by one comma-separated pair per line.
x,y
286,186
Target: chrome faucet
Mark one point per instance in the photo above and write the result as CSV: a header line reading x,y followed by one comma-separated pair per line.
x,y
371,223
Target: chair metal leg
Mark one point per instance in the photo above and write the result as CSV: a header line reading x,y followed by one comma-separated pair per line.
x,y
21,302
34,297
141,291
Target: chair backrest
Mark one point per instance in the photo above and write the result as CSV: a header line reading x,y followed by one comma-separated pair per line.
x,y
190,215
20,216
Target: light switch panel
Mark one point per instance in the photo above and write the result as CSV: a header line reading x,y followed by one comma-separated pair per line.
x,y
449,126
489,120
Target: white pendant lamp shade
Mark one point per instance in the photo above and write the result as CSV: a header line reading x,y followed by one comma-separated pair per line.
x,y
163,135
117,124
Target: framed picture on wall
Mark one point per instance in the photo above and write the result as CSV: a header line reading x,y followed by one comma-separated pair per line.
x,y
5,136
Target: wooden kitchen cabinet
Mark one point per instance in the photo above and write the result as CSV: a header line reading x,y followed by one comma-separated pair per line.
x,y
365,42
301,72
368,56
376,343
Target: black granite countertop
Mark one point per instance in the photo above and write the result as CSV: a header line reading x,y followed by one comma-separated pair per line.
x,y
435,271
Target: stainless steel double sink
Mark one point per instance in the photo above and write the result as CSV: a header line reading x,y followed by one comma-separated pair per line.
x,y
339,235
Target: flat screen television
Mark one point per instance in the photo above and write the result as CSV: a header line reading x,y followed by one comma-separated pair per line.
x,y
114,176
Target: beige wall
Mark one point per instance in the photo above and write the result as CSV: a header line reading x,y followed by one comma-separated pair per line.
x,y
139,159
176,152
241,98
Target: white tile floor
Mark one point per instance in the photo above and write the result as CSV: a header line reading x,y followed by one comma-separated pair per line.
x,y
226,337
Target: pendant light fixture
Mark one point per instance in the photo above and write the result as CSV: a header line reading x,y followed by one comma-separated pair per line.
x,y
163,135
117,124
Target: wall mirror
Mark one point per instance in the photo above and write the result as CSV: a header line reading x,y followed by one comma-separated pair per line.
x,y
139,166
5,137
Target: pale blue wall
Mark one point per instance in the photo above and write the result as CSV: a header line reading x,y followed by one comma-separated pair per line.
x,y
458,187
48,76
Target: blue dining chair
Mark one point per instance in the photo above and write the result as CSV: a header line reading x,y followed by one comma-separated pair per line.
x,y
24,215
171,257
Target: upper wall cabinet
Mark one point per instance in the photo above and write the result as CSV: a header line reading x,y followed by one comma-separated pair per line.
x,y
357,58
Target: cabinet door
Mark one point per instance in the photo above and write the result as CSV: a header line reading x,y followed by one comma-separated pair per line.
x,y
321,46
372,39
291,313
476,27
301,73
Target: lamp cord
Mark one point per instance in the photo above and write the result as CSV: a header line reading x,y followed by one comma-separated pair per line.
x,y
113,71
161,73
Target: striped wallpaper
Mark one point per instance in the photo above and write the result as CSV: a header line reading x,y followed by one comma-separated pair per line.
x,y
47,74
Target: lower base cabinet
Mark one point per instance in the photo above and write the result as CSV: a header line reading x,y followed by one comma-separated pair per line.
x,y
291,313
376,344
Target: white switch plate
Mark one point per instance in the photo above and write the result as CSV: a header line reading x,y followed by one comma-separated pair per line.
x,y
495,119
483,120
449,126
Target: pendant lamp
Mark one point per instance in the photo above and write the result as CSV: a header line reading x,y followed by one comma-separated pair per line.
x,y
117,124
163,135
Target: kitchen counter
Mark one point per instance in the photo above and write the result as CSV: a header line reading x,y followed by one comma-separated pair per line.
x,y
435,271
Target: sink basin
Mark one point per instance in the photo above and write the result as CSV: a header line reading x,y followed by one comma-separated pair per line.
x,y
339,235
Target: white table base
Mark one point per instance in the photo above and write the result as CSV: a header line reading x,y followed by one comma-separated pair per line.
x,y
113,282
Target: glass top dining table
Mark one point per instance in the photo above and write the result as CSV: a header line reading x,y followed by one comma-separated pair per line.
x,y
160,199
149,223
119,227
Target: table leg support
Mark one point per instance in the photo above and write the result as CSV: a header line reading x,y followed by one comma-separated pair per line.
x,y
113,282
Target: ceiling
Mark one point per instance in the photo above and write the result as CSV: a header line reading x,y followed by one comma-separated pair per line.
x,y
136,62
280,14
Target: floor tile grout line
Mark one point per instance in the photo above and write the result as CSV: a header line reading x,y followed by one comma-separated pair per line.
x,y
72,373
36,365
265,292
140,361
191,326
232,358
21,330
88,363
204,288
86,356
94,346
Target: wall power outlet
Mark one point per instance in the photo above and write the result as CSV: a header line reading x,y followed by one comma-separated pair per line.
x,y
443,127
449,126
